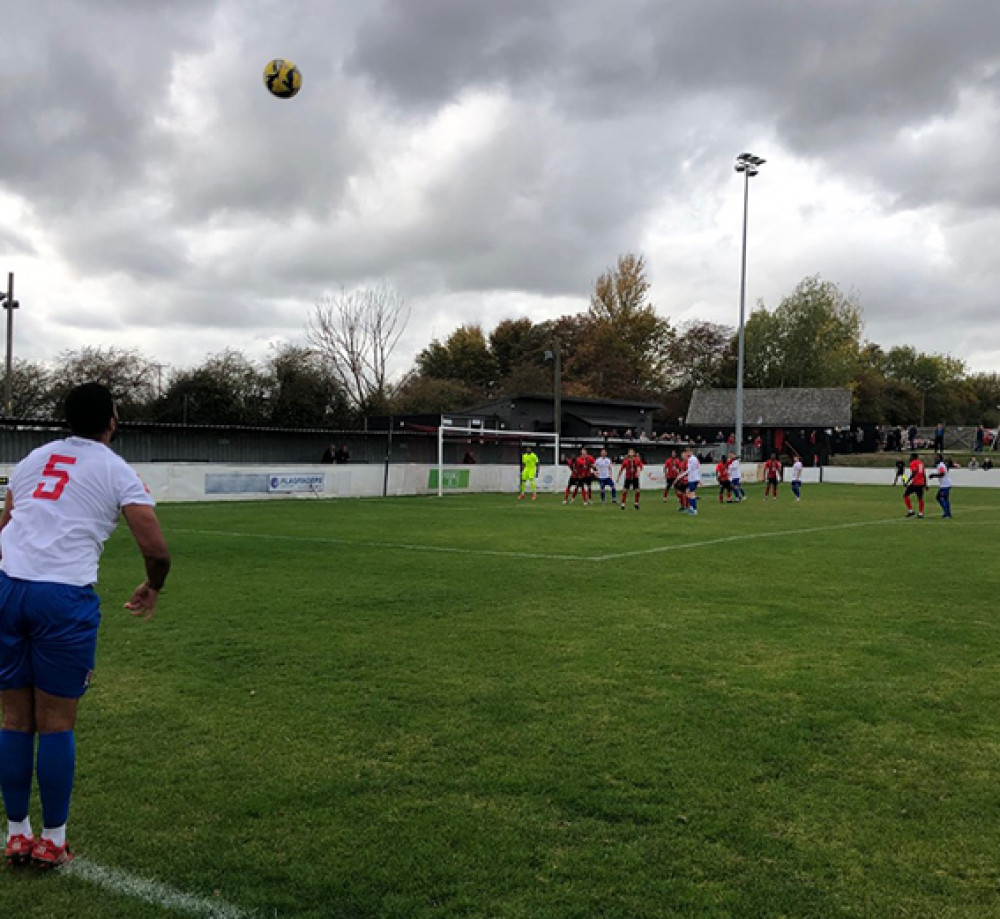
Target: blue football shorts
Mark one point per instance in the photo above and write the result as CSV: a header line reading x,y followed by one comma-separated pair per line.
x,y
48,636
693,487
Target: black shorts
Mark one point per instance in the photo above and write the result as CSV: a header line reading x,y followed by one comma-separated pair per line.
x,y
632,482
917,490
670,482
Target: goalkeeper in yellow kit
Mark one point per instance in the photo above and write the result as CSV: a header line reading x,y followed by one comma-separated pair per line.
x,y
529,472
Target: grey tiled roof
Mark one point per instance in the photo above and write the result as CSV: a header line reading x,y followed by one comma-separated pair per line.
x,y
772,407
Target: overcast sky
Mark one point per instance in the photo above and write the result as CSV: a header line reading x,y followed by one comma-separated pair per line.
x,y
488,159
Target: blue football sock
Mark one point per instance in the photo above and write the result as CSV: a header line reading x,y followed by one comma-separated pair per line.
x,y
694,503
17,750
56,766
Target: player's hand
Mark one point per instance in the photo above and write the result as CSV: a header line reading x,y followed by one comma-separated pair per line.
x,y
143,601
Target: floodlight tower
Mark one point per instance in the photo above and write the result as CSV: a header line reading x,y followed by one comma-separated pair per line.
x,y
9,304
749,165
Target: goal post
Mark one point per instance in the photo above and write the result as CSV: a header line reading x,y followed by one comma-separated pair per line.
x,y
473,435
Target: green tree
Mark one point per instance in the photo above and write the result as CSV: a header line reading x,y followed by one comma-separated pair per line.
x,y
131,376
30,391
938,380
464,357
226,389
984,407
813,338
426,395
302,391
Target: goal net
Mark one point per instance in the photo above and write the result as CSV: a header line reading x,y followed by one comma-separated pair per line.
x,y
499,451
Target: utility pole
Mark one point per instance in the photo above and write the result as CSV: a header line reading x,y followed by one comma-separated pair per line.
x,y
9,304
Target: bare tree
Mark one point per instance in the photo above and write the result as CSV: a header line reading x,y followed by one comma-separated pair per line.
x,y
356,332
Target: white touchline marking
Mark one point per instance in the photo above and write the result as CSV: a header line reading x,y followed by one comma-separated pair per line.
x,y
151,892
544,556
413,547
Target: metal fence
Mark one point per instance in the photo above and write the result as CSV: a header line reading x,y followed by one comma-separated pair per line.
x,y
139,443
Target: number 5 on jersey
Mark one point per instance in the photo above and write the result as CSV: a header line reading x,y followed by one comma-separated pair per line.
x,y
51,490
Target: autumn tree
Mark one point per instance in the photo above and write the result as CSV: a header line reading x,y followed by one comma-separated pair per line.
x,y
624,350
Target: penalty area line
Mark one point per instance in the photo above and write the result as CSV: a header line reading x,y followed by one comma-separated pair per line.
x,y
742,537
153,893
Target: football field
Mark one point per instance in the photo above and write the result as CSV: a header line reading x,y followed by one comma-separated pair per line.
x,y
474,706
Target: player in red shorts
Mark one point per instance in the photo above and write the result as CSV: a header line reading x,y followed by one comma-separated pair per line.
x,y
671,469
915,485
722,477
572,483
588,475
772,475
580,468
631,467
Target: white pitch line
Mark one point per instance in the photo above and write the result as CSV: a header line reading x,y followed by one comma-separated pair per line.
x,y
655,550
413,547
766,535
745,536
152,892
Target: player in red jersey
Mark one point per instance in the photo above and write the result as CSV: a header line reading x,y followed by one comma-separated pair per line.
x,y
671,469
580,468
772,475
572,483
915,485
722,477
631,467
588,475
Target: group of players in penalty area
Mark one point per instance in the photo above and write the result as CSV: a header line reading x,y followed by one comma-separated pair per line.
x,y
683,475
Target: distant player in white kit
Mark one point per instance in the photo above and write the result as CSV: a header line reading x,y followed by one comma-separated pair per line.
x,y
692,475
735,477
603,465
797,477
62,504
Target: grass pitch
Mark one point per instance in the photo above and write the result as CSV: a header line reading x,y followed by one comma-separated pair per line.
x,y
475,706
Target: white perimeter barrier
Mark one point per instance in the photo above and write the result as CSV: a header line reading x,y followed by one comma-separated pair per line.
x,y
202,482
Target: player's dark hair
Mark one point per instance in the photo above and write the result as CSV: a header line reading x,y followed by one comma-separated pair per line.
x,y
914,456
89,409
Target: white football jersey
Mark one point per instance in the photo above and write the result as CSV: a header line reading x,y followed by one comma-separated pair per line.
x,y
603,464
693,469
734,469
67,497
797,471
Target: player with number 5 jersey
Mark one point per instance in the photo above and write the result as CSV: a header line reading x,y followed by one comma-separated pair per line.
x,y
63,502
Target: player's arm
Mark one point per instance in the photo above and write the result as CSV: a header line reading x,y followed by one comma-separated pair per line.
x,y
8,509
141,520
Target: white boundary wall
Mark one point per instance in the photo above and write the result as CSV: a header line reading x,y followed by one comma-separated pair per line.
x,y
203,482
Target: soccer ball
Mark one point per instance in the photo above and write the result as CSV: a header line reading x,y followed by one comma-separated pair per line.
x,y
282,78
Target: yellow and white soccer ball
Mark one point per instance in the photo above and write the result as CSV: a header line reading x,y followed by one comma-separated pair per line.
x,y
282,78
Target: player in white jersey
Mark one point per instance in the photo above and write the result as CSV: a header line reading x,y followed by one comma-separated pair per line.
x,y
692,475
797,478
63,502
603,466
736,477
943,476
